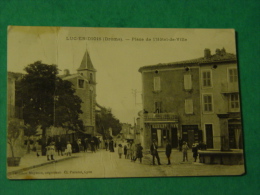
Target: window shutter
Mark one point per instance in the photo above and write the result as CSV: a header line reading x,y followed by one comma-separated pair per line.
x,y
187,82
157,85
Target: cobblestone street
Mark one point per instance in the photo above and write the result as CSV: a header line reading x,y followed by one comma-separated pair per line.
x,y
104,164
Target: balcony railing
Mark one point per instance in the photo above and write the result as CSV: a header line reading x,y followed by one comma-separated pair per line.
x,y
160,117
229,87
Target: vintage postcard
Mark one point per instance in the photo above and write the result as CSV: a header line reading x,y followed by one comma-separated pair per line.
x,y
122,102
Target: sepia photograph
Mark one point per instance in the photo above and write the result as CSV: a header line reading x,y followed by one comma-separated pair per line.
x,y
122,103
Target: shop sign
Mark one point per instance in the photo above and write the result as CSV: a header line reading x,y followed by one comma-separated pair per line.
x,y
159,126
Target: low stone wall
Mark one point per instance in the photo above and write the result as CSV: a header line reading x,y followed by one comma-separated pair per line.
x,y
221,157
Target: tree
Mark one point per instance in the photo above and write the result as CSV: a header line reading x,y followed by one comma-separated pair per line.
x,y
15,129
47,100
105,120
29,131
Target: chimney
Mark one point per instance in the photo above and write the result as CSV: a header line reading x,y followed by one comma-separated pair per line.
x,y
66,72
207,53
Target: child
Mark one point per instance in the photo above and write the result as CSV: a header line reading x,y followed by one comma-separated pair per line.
x,y
50,151
69,150
120,150
185,151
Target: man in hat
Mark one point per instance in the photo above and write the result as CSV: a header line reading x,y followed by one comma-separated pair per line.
x,y
154,152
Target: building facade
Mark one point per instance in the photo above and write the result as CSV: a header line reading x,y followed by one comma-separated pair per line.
x,y
185,99
13,111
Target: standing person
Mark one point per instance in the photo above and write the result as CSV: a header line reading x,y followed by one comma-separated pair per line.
x,y
120,150
154,152
85,145
180,144
59,147
134,148
195,151
50,151
129,153
125,151
106,145
185,148
69,149
78,145
111,146
168,151
131,150
99,141
95,143
92,145
139,152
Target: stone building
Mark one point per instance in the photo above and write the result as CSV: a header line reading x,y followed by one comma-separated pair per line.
x,y
84,82
185,99
13,111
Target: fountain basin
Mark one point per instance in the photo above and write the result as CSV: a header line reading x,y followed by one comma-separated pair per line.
x,y
231,157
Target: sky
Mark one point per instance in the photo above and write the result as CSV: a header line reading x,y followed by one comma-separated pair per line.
x,y
116,61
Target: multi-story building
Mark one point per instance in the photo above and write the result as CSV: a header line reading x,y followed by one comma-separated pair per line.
x,y
14,111
84,82
220,97
185,99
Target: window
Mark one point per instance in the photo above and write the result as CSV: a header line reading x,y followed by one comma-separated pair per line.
x,y
207,103
234,101
206,79
158,107
157,85
233,77
187,82
188,106
81,83
91,80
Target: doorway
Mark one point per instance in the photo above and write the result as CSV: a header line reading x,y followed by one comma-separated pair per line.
x,y
174,138
191,139
190,134
209,135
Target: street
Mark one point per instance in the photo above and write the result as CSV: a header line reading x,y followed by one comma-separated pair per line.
x,y
105,164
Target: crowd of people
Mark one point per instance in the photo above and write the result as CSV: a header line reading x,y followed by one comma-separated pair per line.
x,y
129,150
183,147
64,148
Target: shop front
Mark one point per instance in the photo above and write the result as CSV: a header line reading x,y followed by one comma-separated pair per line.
x,y
163,132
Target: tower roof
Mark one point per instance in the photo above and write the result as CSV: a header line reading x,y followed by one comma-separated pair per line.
x,y
86,63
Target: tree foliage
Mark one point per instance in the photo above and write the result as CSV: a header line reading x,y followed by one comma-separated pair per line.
x,y
15,129
105,120
46,99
